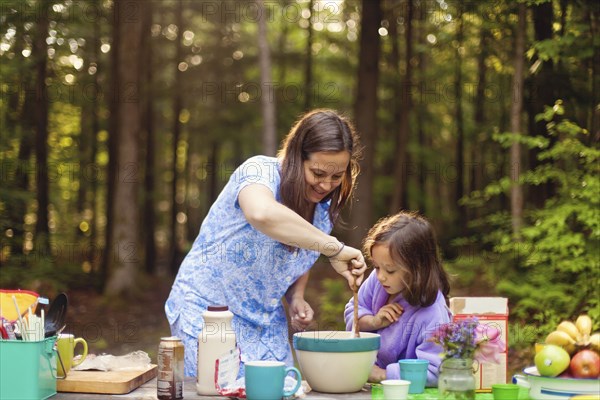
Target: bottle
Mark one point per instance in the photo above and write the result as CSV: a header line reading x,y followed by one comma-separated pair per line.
x,y
169,382
216,339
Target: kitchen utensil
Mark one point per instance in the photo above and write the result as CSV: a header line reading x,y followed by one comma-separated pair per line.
x,y
355,296
546,388
57,315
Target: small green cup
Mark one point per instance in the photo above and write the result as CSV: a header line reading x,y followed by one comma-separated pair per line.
x,y
505,391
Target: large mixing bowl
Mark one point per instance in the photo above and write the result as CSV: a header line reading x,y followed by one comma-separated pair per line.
x,y
546,388
336,361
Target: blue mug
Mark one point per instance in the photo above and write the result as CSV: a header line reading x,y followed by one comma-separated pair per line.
x,y
265,379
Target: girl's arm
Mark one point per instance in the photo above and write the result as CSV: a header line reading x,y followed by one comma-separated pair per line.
x,y
277,221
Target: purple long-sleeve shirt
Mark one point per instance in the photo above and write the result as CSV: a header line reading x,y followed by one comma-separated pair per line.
x,y
407,337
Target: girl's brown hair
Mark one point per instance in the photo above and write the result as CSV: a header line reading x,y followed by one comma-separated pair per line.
x,y
412,245
317,130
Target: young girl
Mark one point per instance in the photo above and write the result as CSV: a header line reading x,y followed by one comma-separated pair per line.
x,y
404,300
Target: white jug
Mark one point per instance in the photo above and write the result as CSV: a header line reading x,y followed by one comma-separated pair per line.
x,y
216,340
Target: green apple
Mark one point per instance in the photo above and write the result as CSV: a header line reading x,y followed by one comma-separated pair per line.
x,y
552,360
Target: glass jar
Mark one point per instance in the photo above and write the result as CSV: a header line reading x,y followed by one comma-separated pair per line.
x,y
456,380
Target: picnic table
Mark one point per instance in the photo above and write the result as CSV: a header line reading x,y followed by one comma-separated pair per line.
x,y
148,392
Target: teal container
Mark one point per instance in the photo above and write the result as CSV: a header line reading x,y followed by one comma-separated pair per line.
x,y
27,369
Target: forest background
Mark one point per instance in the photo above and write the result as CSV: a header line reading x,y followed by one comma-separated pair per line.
x,y
121,120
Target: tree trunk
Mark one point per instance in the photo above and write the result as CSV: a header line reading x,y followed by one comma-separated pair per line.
x,y
478,147
422,110
516,191
175,252
403,93
460,128
40,56
267,101
366,116
594,125
148,129
124,255
543,93
308,75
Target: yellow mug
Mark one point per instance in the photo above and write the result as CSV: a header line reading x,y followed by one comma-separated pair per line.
x,y
66,351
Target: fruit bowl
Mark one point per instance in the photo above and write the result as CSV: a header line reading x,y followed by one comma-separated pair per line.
x,y
336,361
543,387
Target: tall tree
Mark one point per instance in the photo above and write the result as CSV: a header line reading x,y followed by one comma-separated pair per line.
x,y
459,121
148,130
124,251
516,190
308,66
175,251
39,53
267,102
402,116
365,113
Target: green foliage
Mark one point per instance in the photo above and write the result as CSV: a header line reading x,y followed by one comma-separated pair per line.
x,y
552,272
333,301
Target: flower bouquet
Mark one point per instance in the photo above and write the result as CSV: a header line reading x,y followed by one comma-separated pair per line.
x,y
462,342
468,339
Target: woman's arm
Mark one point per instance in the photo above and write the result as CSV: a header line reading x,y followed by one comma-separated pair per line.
x,y
279,222
301,312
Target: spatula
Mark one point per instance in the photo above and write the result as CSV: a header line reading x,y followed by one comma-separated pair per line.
x,y
57,315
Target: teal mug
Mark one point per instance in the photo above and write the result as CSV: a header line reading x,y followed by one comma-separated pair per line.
x,y
265,379
415,371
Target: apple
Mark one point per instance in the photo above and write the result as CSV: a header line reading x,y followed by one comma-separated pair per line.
x,y
552,360
585,364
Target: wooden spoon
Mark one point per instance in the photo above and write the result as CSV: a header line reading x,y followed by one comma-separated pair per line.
x,y
355,295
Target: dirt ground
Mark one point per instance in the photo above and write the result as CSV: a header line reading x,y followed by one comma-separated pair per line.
x,y
119,327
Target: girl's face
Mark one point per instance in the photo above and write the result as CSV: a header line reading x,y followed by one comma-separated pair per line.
x,y
323,173
389,273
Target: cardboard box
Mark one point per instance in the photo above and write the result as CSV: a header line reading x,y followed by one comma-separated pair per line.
x,y
491,311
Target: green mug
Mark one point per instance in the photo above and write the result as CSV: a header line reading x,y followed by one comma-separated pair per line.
x,y
265,379
65,345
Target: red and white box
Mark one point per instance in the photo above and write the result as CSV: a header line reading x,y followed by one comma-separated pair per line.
x,y
492,311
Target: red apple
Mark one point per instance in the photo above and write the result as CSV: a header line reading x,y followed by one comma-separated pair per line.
x,y
585,364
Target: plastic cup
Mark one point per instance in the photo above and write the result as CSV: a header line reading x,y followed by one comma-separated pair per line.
x,y
415,371
395,389
505,391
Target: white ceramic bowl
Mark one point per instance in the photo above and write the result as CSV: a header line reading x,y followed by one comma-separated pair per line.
x,y
336,361
546,388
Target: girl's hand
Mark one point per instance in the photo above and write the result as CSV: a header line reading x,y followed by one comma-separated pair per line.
x,y
377,374
301,314
387,315
350,263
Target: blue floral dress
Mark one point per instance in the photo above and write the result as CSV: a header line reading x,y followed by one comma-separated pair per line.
x,y
234,264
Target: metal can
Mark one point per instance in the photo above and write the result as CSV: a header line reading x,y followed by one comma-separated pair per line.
x,y
169,383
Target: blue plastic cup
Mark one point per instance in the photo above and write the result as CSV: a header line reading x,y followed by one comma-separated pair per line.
x,y
415,371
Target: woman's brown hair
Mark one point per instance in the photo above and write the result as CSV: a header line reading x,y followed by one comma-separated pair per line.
x,y
412,245
317,130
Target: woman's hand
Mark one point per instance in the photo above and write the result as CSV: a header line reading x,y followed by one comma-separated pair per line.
x,y
387,315
377,374
349,263
301,314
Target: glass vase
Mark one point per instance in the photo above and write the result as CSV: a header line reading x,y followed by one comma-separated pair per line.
x,y
456,380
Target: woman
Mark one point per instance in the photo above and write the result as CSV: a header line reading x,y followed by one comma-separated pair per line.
x,y
262,235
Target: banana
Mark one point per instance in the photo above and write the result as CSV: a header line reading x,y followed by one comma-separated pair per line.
x,y
569,328
584,325
595,341
561,339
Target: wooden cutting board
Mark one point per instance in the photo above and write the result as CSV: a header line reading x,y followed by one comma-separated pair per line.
x,y
105,382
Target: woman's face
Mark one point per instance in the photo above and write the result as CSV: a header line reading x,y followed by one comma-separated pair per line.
x,y
389,273
323,172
